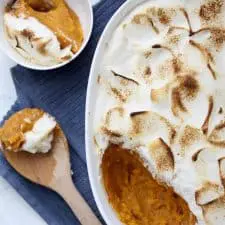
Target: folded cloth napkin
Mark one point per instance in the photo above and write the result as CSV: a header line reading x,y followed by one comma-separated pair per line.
x,y
62,93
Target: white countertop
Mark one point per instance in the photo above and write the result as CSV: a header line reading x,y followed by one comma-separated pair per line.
x,y
10,201
7,90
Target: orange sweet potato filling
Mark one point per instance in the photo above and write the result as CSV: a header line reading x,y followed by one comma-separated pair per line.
x,y
137,198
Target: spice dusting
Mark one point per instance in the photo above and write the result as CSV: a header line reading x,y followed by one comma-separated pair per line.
x,y
211,9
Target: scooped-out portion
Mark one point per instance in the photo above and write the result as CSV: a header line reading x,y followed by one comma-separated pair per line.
x,y
136,196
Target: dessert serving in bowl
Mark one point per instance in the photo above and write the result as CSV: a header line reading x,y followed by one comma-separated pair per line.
x,y
155,119
44,34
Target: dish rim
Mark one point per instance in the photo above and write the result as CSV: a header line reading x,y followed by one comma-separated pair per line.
x,y
105,208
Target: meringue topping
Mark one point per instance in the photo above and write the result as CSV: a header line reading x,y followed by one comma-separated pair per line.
x,y
161,94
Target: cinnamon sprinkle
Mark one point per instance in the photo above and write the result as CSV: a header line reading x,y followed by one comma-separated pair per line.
x,y
211,9
118,94
144,19
164,17
218,37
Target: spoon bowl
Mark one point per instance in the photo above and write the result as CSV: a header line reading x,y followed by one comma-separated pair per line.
x,y
52,170
42,168
82,8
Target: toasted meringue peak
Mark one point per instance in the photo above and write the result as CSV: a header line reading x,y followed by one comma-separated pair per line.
x,y
161,94
186,90
191,138
152,125
222,169
217,136
208,193
116,122
211,183
119,86
177,104
214,212
211,9
162,155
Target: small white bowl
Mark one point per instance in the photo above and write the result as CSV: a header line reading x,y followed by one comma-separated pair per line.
x,y
82,8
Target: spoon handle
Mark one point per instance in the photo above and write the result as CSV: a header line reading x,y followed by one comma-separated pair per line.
x,y
76,202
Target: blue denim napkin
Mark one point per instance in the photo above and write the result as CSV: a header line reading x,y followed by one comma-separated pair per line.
x,y
62,93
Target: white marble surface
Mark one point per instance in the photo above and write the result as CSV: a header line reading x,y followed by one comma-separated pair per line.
x,y
10,201
7,90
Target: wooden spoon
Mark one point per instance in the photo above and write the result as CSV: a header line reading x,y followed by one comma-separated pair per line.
x,y
52,170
